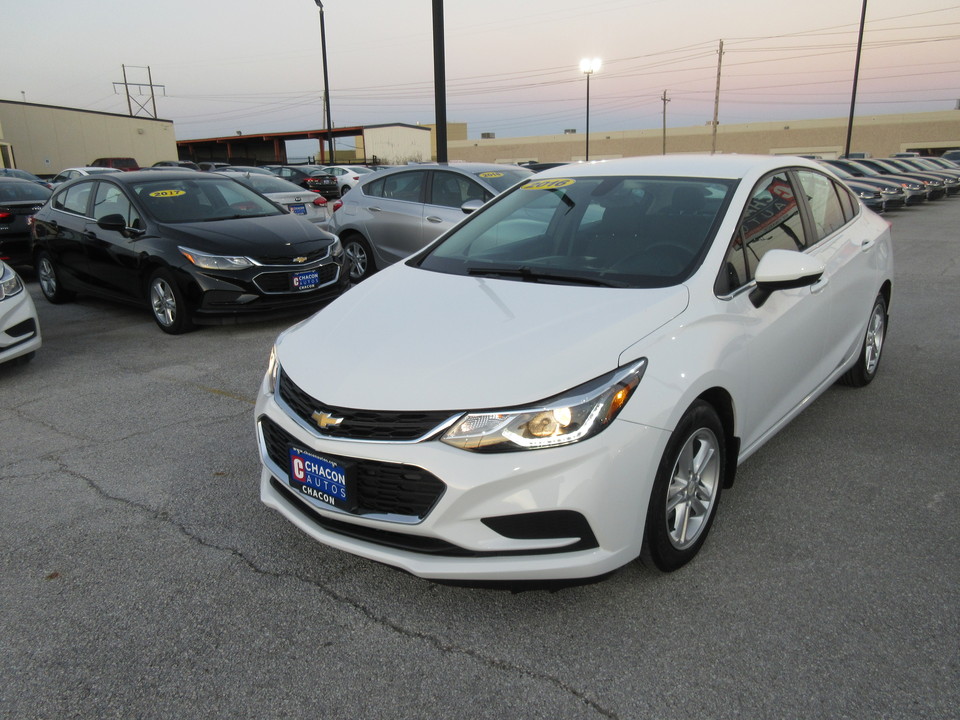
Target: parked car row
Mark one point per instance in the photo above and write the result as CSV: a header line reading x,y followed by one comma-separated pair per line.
x,y
888,183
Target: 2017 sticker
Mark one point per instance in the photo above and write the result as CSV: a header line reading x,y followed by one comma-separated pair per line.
x,y
167,193
553,184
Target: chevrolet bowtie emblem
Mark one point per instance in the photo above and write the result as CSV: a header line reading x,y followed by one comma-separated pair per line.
x,y
325,420
300,259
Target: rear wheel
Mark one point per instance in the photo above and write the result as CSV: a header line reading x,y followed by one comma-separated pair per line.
x,y
359,257
49,279
868,362
168,304
686,491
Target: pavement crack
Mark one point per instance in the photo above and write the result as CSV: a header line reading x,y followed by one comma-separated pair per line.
x,y
380,619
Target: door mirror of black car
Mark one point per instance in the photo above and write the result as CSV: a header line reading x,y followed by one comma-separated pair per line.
x,y
117,223
471,206
783,270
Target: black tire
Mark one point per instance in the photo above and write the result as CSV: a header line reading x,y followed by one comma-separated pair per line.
x,y
868,362
168,304
360,263
49,278
344,190
686,491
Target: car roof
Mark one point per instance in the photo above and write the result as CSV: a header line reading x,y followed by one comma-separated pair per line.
x,y
135,176
715,166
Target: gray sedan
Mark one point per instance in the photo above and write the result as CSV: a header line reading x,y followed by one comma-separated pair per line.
x,y
393,213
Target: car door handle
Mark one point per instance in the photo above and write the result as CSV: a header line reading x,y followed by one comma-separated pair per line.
x,y
374,208
434,219
867,244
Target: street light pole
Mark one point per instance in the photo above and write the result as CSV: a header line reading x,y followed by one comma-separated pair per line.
x,y
588,67
326,82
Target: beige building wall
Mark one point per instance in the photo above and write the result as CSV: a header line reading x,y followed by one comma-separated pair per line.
x,y
395,144
880,135
456,132
46,139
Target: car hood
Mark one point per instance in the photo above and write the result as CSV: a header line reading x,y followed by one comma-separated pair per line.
x,y
272,236
410,339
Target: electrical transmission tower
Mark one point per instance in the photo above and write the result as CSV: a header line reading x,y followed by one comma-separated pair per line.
x,y
142,109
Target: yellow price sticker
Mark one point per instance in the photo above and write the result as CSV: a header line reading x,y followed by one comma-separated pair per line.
x,y
490,174
167,193
552,184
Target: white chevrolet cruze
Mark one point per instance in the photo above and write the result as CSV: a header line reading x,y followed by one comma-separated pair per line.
x,y
566,380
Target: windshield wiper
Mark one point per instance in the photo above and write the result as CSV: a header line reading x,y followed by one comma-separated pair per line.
x,y
529,275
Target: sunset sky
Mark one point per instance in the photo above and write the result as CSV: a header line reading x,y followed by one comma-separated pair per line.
x,y
512,67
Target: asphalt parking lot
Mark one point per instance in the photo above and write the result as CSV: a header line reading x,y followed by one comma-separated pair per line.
x,y
142,577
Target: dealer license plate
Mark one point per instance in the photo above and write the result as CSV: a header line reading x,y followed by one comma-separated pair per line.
x,y
305,279
298,209
322,479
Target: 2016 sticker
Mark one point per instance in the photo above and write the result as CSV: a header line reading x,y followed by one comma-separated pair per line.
x,y
167,193
554,184
490,174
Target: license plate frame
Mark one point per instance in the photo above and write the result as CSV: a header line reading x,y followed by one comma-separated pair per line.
x,y
329,481
304,280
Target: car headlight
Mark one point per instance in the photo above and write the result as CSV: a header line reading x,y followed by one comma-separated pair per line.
x,y
336,249
273,369
216,262
10,284
568,418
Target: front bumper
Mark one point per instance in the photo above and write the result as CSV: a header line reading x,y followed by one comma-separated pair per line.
x,y
19,328
595,491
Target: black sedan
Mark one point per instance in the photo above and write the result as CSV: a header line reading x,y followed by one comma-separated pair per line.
x,y
311,177
194,247
19,200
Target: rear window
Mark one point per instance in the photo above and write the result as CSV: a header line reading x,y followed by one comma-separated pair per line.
x,y
22,191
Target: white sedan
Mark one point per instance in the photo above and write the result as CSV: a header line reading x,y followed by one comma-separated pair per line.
x,y
306,203
19,326
567,380
347,175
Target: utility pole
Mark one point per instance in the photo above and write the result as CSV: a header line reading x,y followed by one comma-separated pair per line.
x,y
665,100
141,106
716,101
856,75
326,86
439,81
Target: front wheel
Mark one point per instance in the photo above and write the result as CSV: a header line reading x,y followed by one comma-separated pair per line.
x,y
359,257
168,304
686,491
868,361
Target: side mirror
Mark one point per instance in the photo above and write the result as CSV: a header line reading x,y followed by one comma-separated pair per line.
x,y
471,206
117,223
784,270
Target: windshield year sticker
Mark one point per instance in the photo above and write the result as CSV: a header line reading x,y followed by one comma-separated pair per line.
x,y
491,174
548,184
168,193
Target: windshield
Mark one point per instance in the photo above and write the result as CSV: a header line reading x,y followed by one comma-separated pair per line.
x,y
613,231
201,199
503,178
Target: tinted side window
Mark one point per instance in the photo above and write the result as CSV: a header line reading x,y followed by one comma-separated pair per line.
x,y
770,221
110,200
404,186
374,189
849,203
452,190
74,198
824,203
